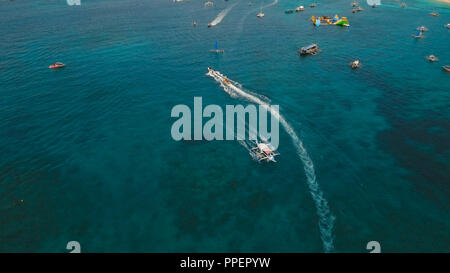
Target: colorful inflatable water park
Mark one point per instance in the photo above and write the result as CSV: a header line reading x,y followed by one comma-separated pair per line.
x,y
325,20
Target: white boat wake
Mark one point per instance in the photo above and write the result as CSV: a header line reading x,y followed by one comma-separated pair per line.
x,y
326,218
221,15
271,4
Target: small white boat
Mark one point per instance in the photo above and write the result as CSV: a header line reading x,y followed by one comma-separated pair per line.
x,y
446,68
432,58
209,4
355,64
435,14
447,25
355,4
422,28
300,8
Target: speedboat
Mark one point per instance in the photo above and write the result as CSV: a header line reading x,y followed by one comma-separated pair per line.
x,y
355,64
57,65
446,68
210,25
264,152
311,49
432,58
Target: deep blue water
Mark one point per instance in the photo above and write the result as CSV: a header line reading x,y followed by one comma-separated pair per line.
x,y
88,147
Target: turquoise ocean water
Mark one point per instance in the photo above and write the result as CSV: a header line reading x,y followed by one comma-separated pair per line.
x,y
88,147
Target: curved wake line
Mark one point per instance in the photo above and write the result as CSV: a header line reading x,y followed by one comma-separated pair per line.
x,y
326,218
221,15
271,4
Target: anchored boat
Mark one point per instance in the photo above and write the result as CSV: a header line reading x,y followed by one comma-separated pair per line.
x,y
326,20
216,48
57,65
355,64
432,58
312,49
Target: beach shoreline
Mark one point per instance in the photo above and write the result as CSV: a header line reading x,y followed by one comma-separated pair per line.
x,y
443,1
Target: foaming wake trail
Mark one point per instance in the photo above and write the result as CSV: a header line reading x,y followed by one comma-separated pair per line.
x,y
271,4
221,15
326,218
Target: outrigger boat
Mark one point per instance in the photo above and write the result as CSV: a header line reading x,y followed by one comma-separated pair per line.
x,y
312,49
419,34
216,48
264,152
57,65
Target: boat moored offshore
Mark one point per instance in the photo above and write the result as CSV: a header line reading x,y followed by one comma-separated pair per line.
x,y
311,49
